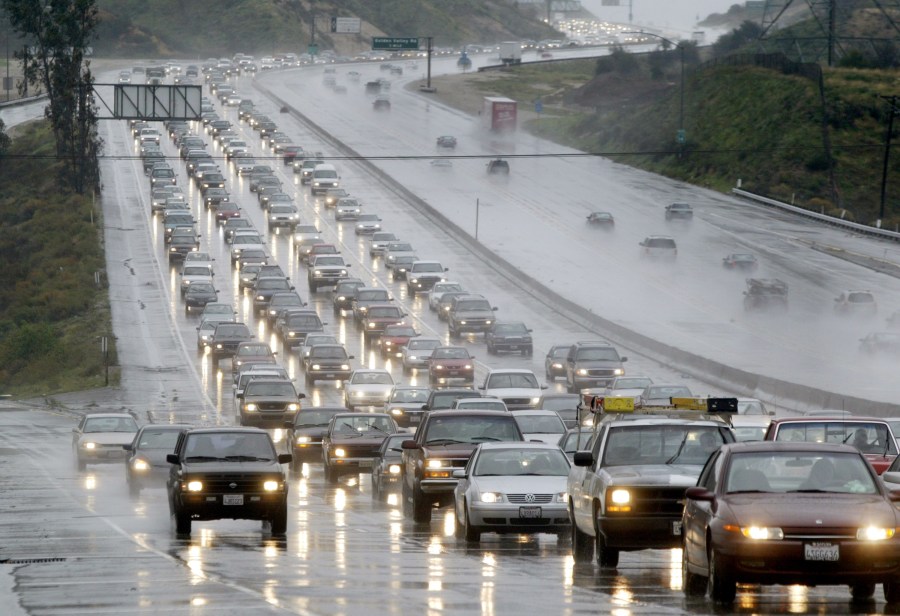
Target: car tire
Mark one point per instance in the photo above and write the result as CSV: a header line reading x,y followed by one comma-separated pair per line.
x,y
331,475
134,488
582,544
376,489
892,592
80,464
278,522
862,592
547,375
309,380
421,508
607,557
720,585
490,349
471,533
693,585
182,523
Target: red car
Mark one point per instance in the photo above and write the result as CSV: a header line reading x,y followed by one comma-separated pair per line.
x,y
395,338
378,317
226,210
872,436
450,363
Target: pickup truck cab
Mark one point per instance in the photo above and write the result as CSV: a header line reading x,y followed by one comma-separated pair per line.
x,y
627,492
444,442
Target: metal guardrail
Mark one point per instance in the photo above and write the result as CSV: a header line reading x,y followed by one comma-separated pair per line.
x,y
22,101
829,220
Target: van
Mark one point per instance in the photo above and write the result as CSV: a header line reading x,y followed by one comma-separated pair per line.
x,y
659,247
324,176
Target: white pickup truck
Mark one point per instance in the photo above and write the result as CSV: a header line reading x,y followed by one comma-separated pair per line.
x,y
627,492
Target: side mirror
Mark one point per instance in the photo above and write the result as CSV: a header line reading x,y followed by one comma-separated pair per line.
x,y
285,458
446,269
583,458
74,430
424,408
410,445
699,494
288,425
239,395
543,386
494,308
891,477
459,473
301,396
349,265
172,458
351,357
127,447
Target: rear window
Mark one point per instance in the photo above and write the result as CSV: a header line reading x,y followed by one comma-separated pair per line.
x,y
868,437
660,242
467,429
860,298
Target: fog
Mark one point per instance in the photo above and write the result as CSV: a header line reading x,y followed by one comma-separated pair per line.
x,y
680,16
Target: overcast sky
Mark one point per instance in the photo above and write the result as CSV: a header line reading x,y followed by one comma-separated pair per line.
x,y
677,15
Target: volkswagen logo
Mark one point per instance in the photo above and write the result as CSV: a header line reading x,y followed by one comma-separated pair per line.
x,y
529,498
232,485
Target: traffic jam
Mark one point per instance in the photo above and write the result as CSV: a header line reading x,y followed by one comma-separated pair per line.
x,y
422,393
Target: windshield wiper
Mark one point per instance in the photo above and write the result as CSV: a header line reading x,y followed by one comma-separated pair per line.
x,y
443,441
374,427
247,459
486,438
202,459
680,447
811,491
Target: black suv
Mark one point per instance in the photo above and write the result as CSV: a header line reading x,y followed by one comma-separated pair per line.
x,y
511,337
226,338
498,165
592,364
765,294
327,362
227,473
470,313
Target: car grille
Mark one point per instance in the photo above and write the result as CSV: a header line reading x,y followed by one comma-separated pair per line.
x,y
271,406
328,275
222,483
817,534
602,372
657,501
517,401
361,451
536,499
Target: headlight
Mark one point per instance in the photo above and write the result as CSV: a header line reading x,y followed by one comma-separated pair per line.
x,y
557,366
491,497
763,533
317,273
587,422
562,497
414,280
467,367
271,486
140,465
90,445
250,407
581,372
358,394
619,500
293,407
438,367
303,439
292,334
185,283
343,272
345,367
436,464
394,469
536,400
873,533
371,325
388,343
339,452
488,322
194,486
618,372
396,411
260,298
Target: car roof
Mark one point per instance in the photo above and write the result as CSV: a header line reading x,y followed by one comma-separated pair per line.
x,y
227,429
520,445
534,412
469,413
336,409
352,414
637,420
509,371
110,415
831,418
766,446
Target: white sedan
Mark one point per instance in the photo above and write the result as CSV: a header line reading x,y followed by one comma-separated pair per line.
x,y
540,425
99,438
367,388
512,488
439,288
417,353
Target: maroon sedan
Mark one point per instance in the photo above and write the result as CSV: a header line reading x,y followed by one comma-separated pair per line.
x,y
226,210
790,513
450,363
395,338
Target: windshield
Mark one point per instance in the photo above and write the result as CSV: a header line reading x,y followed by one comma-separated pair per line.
x,y
427,267
254,349
228,445
479,304
279,283
400,247
560,403
660,444
372,378
632,383
329,261
598,354
304,320
860,298
314,418
384,312
409,395
799,471
667,392
450,353
201,287
868,437
218,309
110,424
248,239
379,295
420,345
514,380
540,424
571,443
510,329
449,430
284,390
320,174
401,331
322,352
513,462
347,424
657,242
196,271
313,340
232,330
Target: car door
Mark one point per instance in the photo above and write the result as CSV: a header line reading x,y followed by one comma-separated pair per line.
x,y
698,514
462,487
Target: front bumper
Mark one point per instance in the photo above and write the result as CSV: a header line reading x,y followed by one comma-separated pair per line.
x,y
641,533
266,419
506,517
210,506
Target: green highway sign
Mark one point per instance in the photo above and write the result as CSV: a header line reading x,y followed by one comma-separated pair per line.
x,y
381,42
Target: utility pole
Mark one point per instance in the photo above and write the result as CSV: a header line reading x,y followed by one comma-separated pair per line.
x,y
892,101
430,40
831,26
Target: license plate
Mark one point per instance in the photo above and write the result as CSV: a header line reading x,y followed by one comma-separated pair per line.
x,y
365,463
232,499
529,512
414,419
676,529
514,347
329,376
822,551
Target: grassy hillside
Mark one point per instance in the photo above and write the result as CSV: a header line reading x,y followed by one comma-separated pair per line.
x,y
214,27
745,122
52,314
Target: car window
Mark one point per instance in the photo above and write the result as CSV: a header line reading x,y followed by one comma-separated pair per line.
x,y
800,471
158,439
478,429
502,381
598,354
319,352
409,395
372,378
868,437
222,445
660,444
344,424
540,424
262,388
110,424
544,462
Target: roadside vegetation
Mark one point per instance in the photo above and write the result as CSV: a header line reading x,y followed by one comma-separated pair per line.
x,y
52,313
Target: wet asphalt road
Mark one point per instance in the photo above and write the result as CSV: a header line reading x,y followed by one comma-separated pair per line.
x,y
344,553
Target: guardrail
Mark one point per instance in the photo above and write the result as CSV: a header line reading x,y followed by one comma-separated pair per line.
x,y
829,220
22,101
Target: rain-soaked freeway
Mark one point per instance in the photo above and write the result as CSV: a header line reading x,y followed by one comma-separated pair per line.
x,y
76,543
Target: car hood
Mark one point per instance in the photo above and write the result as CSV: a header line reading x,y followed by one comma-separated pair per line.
x,y
319,431
513,392
108,438
550,438
370,389
214,467
520,484
626,393
454,450
655,474
470,314
811,510
367,440
155,457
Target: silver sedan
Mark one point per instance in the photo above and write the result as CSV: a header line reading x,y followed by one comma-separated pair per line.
x,y
512,488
